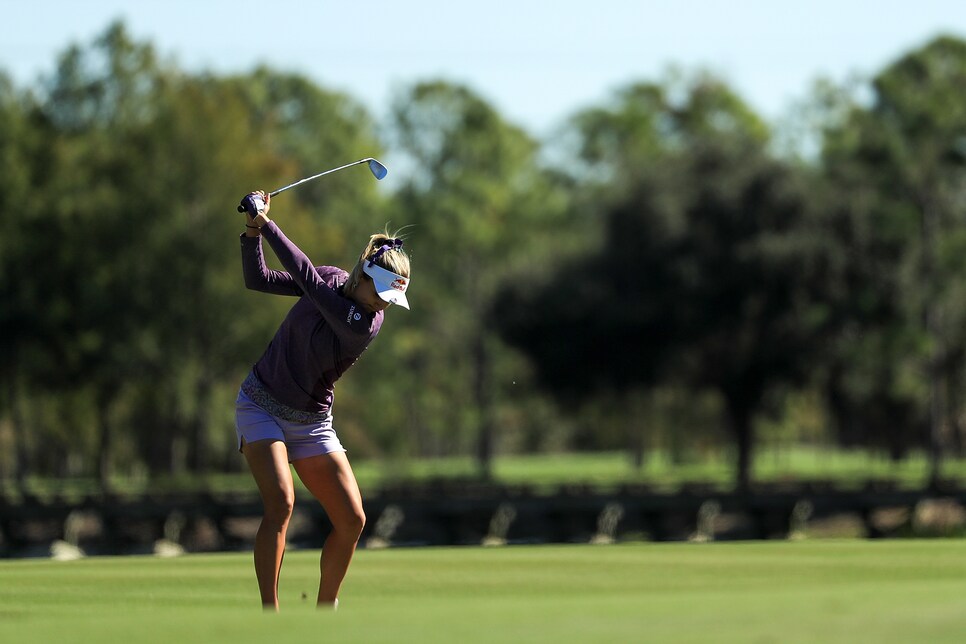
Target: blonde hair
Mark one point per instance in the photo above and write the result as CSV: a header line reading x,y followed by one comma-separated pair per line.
x,y
394,259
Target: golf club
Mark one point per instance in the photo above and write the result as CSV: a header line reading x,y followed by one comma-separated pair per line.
x,y
378,170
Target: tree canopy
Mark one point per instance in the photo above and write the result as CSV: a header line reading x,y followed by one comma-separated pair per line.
x,y
665,251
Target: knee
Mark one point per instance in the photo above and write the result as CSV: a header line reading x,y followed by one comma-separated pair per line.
x,y
352,524
279,507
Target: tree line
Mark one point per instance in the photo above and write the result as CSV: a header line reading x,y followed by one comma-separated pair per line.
x,y
663,273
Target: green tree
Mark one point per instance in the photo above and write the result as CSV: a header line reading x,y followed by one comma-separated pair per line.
x,y
17,311
125,309
899,163
102,223
480,206
706,275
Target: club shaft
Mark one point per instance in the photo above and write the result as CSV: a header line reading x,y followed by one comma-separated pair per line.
x,y
316,176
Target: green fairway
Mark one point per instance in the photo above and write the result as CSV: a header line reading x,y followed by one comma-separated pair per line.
x,y
811,591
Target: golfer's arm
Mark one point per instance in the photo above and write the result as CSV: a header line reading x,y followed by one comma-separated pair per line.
x,y
338,311
258,276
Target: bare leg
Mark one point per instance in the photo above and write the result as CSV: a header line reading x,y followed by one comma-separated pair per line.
x,y
330,480
268,461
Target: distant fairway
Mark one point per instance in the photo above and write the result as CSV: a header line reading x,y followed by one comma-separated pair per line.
x,y
811,591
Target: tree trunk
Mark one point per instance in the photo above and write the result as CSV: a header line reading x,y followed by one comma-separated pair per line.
x,y
933,327
105,443
954,438
636,425
198,452
21,456
484,406
739,421
637,443
935,425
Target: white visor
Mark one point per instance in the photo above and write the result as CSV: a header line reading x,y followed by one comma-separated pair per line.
x,y
390,286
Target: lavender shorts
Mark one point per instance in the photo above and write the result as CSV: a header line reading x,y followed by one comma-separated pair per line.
x,y
252,423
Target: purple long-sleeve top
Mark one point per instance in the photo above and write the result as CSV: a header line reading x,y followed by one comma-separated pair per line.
x,y
323,334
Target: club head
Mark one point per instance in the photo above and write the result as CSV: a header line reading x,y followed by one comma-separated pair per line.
x,y
379,171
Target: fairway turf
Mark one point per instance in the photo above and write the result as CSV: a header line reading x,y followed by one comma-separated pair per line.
x,y
810,591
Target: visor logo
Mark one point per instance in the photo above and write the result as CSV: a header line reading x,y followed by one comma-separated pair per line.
x,y
399,284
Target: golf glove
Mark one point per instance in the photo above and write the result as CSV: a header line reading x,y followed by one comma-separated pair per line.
x,y
253,204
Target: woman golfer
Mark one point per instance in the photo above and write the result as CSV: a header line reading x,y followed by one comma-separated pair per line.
x,y
284,409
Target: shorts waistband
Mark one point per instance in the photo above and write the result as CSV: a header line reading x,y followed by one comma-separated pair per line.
x,y
255,390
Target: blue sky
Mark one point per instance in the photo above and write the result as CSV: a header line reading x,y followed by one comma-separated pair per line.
x,y
537,61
